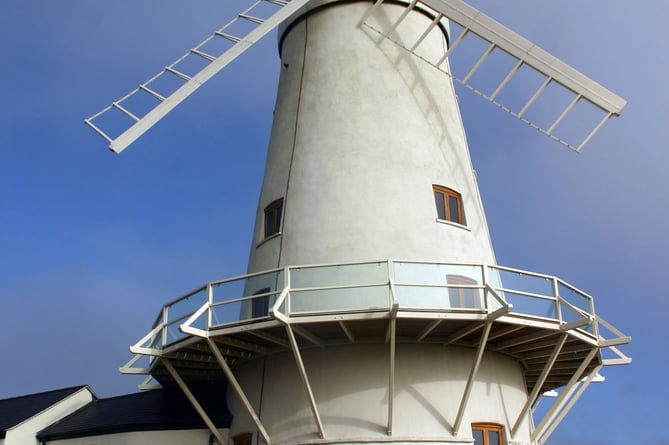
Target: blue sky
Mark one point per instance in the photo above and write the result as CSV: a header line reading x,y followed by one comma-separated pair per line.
x,y
92,243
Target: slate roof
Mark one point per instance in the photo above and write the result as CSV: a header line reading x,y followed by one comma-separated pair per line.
x,y
17,409
162,409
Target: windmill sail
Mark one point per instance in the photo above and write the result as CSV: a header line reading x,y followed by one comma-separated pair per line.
x,y
499,40
164,103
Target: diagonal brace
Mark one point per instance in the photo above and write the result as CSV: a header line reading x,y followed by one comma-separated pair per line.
x,y
564,396
536,391
305,380
472,377
238,389
191,398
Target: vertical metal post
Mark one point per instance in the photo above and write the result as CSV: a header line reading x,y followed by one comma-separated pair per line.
x,y
286,278
484,277
391,369
163,333
210,300
556,295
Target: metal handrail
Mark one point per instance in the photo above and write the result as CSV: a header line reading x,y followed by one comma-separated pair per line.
x,y
486,281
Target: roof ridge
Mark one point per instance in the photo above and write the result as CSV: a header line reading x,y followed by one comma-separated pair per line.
x,y
70,388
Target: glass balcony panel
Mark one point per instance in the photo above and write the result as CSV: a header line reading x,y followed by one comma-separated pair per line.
x,y
267,282
418,297
185,307
157,341
230,290
334,300
267,285
438,298
575,298
226,313
173,333
340,275
435,274
525,305
435,286
524,282
257,307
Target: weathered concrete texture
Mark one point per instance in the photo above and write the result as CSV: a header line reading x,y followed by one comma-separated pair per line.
x,y
362,130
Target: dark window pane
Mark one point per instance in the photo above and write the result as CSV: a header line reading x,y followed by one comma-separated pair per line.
x,y
478,437
493,438
454,208
439,200
273,217
270,224
260,305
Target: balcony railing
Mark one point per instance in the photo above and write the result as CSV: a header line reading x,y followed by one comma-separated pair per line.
x,y
374,287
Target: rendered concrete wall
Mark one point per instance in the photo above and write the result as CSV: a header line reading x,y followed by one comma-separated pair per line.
x,y
24,433
350,385
362,130
178,437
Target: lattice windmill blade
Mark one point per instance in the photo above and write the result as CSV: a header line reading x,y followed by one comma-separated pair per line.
x,y
499,40
254,17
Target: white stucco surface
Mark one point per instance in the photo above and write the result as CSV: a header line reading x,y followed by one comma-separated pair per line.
x,y
350,385
362,130
24,433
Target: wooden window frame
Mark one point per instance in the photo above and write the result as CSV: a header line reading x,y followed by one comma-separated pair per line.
x,y
242,439
444,193
488,428
273,216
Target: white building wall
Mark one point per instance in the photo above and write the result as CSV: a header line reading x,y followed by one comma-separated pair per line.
x,y
350,386
24,433
175,437
362,130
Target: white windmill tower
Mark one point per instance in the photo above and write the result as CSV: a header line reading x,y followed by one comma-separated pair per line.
x,y
373,310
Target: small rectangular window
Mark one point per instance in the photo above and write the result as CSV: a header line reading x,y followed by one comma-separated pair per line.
x,y
242,439
260,305
449,204
273,213
487,434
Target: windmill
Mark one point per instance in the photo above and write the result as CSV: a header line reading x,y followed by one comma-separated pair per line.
x,y
373,309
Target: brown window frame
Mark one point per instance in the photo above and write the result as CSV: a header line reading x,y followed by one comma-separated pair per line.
x,y
242,439
273,216
488,428
443,194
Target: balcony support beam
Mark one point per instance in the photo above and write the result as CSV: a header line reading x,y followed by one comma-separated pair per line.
x,y
191,398
472,377
536,391
232,380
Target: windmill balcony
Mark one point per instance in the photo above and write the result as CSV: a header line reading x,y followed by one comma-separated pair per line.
x,y
382,302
